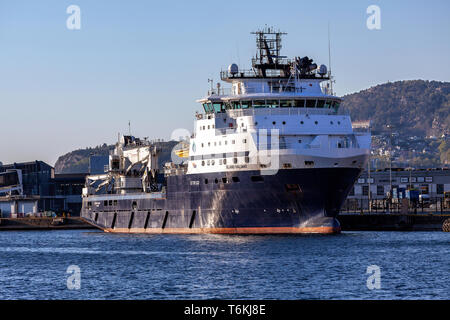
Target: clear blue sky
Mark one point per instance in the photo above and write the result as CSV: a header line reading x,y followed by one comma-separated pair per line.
x,y
148,62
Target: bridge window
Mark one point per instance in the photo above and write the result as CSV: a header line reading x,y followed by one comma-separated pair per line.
x,y
218,107
336,105
272,104
246,104
320,103
328,104
300,103
259,104
287,103
310,103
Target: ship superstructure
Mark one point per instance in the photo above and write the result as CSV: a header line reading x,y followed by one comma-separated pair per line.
x,y
272,153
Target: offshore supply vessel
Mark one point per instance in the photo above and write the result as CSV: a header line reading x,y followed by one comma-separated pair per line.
x,y
271,154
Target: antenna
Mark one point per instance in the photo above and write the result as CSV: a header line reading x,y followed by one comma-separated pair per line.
x,y
329,59
129,127
212,84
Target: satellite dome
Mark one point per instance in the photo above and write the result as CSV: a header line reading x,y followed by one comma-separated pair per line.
x,y
322,70
233,69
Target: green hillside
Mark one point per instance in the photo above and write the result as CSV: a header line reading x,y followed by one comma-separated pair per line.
x,y
414,108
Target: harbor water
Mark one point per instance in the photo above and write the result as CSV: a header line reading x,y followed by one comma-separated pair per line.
x,y
35,265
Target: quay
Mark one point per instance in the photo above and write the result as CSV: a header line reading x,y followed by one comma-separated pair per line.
x,y
43,223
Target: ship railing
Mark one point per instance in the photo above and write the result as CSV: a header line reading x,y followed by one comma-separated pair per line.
x,y
284,111
264,89
252,73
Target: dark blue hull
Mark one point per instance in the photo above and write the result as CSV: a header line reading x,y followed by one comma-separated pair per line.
x,y
292,201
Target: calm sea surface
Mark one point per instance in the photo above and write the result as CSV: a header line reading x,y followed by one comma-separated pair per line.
x,y
33,265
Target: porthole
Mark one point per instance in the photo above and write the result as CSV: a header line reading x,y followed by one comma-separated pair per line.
x,y
274,123
331,122
216,180
284,122
256,123
339,122
301,122
316,122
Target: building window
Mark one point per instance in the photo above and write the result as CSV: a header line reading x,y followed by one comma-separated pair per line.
x,y
365,190
380,190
